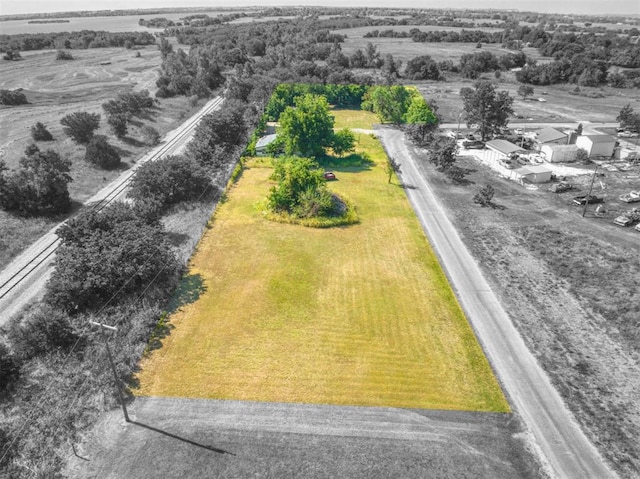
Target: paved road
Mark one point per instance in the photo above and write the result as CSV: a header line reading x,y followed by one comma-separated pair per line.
x,y
530,392
22,281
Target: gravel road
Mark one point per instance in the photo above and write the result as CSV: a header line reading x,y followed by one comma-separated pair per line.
x,y
562,443
185,438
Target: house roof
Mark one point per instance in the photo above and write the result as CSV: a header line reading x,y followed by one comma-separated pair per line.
x,y
538,169
549,134
503,146
600,138
265,140
561,147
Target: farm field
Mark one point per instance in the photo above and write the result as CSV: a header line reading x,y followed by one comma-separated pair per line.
x,y
361,315
57,88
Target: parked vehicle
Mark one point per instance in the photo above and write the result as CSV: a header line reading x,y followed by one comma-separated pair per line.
x,y
631,197
561,187
329,175
627,134
638,227
628,218
587,199
473,145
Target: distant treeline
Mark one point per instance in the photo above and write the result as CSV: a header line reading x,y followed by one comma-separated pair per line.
x,y
60,20
117,13
201,20
74,40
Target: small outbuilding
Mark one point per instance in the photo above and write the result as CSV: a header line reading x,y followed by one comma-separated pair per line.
x,y
559,153
263,143
550,136
533,174
597,145
504,147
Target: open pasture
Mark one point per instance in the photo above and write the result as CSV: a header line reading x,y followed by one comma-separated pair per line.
x,y
405,49
360,315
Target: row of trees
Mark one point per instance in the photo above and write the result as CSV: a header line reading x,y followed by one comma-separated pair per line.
x,y
73,40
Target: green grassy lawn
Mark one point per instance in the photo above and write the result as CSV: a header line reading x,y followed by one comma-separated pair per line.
x,y
359,315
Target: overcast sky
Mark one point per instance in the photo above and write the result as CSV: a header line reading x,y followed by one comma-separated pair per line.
x,y
625,7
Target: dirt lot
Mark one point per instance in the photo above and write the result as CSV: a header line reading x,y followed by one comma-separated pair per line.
x,y
571,286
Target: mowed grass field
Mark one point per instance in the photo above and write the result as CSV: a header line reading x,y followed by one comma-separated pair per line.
x,y
360,315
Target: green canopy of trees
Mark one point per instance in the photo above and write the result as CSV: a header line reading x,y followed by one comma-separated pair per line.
x,y
300,190
307,128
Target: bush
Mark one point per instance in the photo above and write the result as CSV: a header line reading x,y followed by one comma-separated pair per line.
x,y
484,196
39,132
12,97
81,125
39,187
119,124
150,135
64,55
40,330
169,180
102,154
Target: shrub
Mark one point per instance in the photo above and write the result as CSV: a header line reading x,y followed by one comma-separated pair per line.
x,y
101,153
39,132
12,97
64,55
119,124
39,187
169,180
484,196
9,367
150,135
40,330
81,125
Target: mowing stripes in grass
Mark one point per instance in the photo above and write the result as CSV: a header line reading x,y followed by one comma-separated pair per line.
x,y
358,315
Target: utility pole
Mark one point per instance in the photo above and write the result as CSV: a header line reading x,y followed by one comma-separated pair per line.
x,y
113,366
586,200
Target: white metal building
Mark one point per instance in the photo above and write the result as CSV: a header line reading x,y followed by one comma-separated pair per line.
x,y
557,153
597,145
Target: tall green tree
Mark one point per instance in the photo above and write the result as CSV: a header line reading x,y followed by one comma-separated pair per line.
x,y
307,128
390,103
486,108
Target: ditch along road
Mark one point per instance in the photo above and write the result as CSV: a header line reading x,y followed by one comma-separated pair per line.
x,y
564,446
23,280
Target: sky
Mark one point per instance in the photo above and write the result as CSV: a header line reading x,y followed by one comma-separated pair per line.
x,y
592,7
